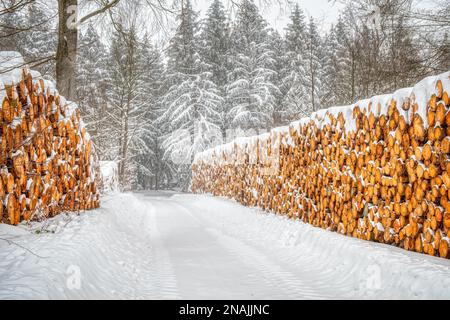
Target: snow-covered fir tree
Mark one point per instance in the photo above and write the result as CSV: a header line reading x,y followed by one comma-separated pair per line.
x,y
252,91
29,30
130,108
153,171
280,114
184,45
214,40
214,50
313,67
293,85
12,26
40,41
193,101
339,67
92,84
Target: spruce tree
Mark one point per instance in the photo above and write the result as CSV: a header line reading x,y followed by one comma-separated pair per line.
x,y
313,66
251,93
280,114
92,84
153,171
215,38
39,41
12,26
129,108
214,50
192,104
294,85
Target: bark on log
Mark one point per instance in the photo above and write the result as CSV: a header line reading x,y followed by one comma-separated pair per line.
x,y
45,155
378,171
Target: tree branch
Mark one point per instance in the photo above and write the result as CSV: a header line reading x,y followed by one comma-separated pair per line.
x,y
101,10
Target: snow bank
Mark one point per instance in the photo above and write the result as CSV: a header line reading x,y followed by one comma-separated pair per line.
x,y
110,176
168,246
311,263
105,248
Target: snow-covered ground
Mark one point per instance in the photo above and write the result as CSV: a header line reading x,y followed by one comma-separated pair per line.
x,y
171,246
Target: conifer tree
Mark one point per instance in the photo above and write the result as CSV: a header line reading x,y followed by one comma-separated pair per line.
x,y
313,66
294,83
192,103
92,83
251,93
39,41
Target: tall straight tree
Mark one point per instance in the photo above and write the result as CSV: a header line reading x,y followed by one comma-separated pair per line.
x,y
152,170
193,100
313,65
66,53
92,85
67,47
214,51
214,40
280,113
130,108
293,85
251,93
39,43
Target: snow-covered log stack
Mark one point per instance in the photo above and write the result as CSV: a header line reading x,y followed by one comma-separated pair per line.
x,y
377,170
46,156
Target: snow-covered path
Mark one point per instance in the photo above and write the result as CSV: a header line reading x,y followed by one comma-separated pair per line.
x,y
179,246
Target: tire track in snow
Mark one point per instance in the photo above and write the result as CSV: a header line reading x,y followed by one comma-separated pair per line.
x,y
288,285
265,268
334,265
162,245
163,282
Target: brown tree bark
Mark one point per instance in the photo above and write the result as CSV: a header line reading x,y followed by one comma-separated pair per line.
x,y
66,54
67,48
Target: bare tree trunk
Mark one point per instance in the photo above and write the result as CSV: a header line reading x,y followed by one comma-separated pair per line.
x,y
124,149
66,54
158,166
353,76
67,48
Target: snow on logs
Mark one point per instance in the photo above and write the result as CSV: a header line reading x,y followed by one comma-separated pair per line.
x,y
46,155
378,170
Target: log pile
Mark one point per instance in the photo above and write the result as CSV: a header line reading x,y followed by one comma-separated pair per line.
x,y
46,156
378,170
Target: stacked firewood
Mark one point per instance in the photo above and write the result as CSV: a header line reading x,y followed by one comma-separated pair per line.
x,y
378,170
46,156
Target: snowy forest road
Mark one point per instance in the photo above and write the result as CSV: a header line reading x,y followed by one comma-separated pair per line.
x,y
161,245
